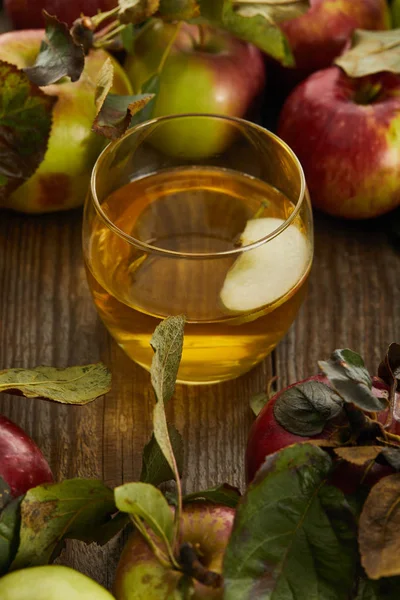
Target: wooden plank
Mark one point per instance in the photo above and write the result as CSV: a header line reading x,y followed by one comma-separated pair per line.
x,y
47,317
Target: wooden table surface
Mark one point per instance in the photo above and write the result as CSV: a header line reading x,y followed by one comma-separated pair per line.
x,y
47,317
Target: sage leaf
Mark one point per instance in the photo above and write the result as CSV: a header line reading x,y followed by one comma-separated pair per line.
x,y
50,513
347,373
155,468
114,112
147,502
379,525
10,519
305,409
25,125
221,494
72,385
293,535
59,55
371,52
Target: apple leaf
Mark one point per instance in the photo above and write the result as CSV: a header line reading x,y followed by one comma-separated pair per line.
x,y
152,87
294,536
358,455
225,494
305,408
136,11
10,519
25,125
379,524
155,468
114,112
371,52
258,402
385,589
59,55
257,22
148,503
389,369
349,377
179,9
74,508
72,385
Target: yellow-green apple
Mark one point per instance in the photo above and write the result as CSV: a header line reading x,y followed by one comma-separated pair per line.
x,y
320,34
207,527
206,71
50,582
22,464
27,14
345,131
62,179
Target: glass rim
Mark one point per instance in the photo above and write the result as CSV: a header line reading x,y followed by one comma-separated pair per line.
x,y
149,248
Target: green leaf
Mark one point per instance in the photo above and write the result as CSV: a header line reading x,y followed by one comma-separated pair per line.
x,y
59,55
25,125
257,22
179,10
147,502
294,536
114,112
155,468
136,11
151,87
50,513
221,494
372,52
258,402
167,343
349,377
5,493
379,524
305,408
10,519
72,385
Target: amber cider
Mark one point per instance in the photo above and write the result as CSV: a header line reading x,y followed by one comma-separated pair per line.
x,y
186,211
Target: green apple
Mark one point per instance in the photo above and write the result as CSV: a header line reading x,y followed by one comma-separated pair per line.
x,y
62,179
140,575
207,71
51,582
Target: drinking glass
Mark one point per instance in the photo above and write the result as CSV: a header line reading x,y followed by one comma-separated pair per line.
x,y
206,216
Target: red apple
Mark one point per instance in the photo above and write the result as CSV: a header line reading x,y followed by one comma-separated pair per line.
x,y
345,133
27,14
62,179
22,465
207,527
268,436
207,71
320,34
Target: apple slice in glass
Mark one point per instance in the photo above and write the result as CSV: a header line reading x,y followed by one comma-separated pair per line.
x,y
261,276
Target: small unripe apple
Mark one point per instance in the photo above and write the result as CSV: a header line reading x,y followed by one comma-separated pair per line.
x,y
51,582
207,527
22,464
207,71
62,179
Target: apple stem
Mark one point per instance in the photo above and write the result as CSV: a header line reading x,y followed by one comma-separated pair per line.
x,y
100,17
169,47
108,36
192,566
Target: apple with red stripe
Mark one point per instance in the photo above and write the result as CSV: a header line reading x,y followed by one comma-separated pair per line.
x,y
344,125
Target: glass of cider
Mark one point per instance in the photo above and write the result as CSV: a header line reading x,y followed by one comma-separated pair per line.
x,y
205,216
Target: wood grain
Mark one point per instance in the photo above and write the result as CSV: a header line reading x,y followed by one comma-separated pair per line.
x,y
47,317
